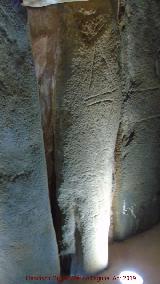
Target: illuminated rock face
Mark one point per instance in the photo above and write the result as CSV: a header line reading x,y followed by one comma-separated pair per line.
x,y
42,3
27,238
137,200
75,50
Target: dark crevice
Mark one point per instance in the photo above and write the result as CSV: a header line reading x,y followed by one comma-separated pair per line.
x,y
130,138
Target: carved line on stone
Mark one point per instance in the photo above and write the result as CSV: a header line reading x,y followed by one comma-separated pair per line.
x,y
101,101
102,92
91,71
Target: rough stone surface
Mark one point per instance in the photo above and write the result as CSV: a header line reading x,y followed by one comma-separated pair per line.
x,y
75,51
86,103
27,238
46,51
137,199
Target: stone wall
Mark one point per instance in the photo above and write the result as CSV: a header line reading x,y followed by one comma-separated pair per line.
x,y
137,199
27,238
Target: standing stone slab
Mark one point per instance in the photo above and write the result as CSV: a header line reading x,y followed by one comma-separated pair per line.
x,y
137,200
87,110
27,238
76,56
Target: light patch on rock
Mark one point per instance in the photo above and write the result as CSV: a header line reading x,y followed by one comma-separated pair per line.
x,y
41,3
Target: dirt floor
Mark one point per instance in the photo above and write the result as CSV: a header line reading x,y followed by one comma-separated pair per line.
x,y
140,254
